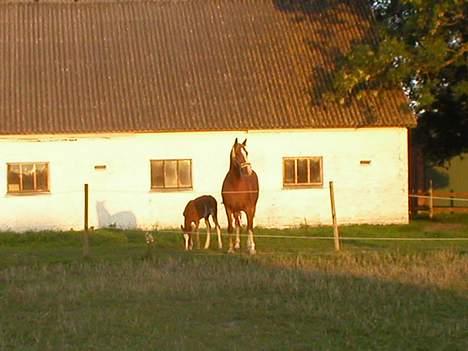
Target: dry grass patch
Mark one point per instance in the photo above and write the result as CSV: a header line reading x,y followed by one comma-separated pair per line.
x,y
294,295
346,301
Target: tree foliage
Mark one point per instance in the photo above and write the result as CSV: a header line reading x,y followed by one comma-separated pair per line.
x,y
422,48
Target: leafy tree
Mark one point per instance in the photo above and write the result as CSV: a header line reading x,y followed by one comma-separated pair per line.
x,y
422,48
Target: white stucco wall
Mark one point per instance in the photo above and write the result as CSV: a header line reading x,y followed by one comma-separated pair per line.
x,y
373,193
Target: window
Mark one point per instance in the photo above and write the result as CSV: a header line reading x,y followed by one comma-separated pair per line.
x,y
28,178
171,174
302,171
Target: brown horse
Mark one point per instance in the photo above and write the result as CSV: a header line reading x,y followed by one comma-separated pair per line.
x,y
240,193
201,207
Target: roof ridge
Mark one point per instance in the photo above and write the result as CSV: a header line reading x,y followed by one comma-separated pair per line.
x,y
90,1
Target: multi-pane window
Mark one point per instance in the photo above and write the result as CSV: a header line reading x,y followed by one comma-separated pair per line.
x,y
171,174
28,177
302,171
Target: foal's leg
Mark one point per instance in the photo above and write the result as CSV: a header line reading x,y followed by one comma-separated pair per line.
x,y
250,237
208,233
197,233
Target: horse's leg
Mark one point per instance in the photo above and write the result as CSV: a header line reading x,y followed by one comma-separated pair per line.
x,y
238,228
250,238
218,231
229,215
197,233
208,233
190,241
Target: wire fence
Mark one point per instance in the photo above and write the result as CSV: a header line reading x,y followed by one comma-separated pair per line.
x,y
80,192
439,197
356,238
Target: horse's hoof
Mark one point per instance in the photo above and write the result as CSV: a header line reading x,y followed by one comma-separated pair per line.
x,y
237,246
252,252
231,251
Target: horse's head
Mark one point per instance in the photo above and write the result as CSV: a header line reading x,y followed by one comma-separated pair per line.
x,y
239,158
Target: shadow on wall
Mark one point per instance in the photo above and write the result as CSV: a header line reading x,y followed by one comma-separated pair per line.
x,y
122,220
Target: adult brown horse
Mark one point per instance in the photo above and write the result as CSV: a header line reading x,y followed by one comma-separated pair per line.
x,y
240,193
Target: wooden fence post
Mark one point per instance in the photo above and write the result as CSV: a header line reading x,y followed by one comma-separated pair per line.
x,y
336,234
452,203
85,234
431,200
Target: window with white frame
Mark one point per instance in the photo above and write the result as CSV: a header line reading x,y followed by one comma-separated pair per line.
x,y
28,177
171,174
302,172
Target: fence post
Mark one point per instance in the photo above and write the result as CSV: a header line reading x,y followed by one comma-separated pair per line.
x,y
336,234
85,234
431,200
452,203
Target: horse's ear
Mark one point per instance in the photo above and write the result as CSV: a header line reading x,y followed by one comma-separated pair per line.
x,y
235,142
244,142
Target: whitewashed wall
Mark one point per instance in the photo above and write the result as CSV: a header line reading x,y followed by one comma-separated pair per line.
x,y
373,193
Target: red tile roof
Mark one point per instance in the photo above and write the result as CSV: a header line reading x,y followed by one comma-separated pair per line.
x,y
173,65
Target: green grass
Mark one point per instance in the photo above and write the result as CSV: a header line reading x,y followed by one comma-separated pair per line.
x,y
295,294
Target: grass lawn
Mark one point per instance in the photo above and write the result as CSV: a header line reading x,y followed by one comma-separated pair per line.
x,y
295,294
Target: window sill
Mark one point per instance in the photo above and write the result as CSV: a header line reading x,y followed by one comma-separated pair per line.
x,y
170,190
33,193
302,186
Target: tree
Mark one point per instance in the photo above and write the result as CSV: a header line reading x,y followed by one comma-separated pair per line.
x,y
421,47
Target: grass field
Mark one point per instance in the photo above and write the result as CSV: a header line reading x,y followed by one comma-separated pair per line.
x,y
295,294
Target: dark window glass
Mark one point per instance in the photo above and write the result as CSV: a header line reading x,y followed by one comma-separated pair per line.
x,y
171,174
157,174
315,171
28,177
302,171
289,171
185,174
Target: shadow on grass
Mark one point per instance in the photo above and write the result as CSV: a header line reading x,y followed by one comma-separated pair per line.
x,y
212,301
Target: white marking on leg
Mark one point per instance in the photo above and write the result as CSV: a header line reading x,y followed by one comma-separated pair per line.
x,y
220,242
208,234
231,246
237,245
186,241
251,243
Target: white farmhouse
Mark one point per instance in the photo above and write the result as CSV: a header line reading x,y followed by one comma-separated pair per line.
x,y
142,100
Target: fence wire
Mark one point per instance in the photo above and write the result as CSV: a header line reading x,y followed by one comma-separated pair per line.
x,y
80,192
438,197
363,238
